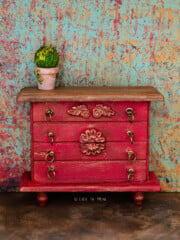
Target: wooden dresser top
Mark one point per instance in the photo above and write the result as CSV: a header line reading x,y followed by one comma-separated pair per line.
x,y
79,94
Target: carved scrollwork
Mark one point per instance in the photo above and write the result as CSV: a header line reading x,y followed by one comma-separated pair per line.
x,y
92,136
92,142
79,111
102,111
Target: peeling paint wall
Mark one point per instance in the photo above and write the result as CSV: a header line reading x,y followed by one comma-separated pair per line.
x,y
101,42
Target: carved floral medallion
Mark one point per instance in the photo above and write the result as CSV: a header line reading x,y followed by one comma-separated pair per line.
x,y
92,148
92,142
102,111
79,111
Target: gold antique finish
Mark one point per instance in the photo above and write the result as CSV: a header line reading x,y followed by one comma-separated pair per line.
x,y
130,175
49,113
130,114
92,148
92,142
49,155
79,111
130,134
51,135
102,111
51,169
131,156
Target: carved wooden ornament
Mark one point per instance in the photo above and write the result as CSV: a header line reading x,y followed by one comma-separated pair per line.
x,y
79,111
92,142
102,111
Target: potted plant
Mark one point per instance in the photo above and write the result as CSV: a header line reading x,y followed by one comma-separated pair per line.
x,y
47,60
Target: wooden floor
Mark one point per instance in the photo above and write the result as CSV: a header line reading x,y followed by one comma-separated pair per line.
x,y
100,216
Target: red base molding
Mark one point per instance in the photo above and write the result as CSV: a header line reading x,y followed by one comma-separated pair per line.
x,y
152,185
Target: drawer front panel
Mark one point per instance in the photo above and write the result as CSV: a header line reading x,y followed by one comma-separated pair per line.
x,y
112,131
98,111
88,172
72,151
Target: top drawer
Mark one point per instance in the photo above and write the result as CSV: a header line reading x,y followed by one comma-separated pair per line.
x,y
97,111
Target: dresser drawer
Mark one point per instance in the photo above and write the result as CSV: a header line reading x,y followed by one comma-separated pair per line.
x,y
111,131
97,111
88,172
111,151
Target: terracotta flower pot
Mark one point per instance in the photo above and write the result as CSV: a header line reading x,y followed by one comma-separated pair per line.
x,y
46,77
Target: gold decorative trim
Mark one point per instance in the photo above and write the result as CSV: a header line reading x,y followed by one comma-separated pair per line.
x,y
79,111
102,111
92,142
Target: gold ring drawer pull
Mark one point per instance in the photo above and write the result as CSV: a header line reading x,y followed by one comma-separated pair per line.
x,y
51,136
131,156
130,174
51,172
130,114
48,114
131,135
49,155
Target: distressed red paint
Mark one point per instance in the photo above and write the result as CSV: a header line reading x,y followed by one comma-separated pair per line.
x,y
107,53
88,157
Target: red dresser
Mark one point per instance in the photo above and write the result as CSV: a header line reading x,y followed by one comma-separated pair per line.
x,y
90,139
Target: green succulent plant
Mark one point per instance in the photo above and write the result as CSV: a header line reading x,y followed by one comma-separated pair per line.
x,y
46,57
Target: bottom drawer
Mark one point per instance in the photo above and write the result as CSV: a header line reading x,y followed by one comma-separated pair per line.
x,y
88,172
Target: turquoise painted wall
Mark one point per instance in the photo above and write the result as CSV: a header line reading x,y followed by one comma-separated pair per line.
x,y
101,42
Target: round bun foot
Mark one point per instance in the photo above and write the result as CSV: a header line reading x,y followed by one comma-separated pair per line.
x,y
138,198
42,199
